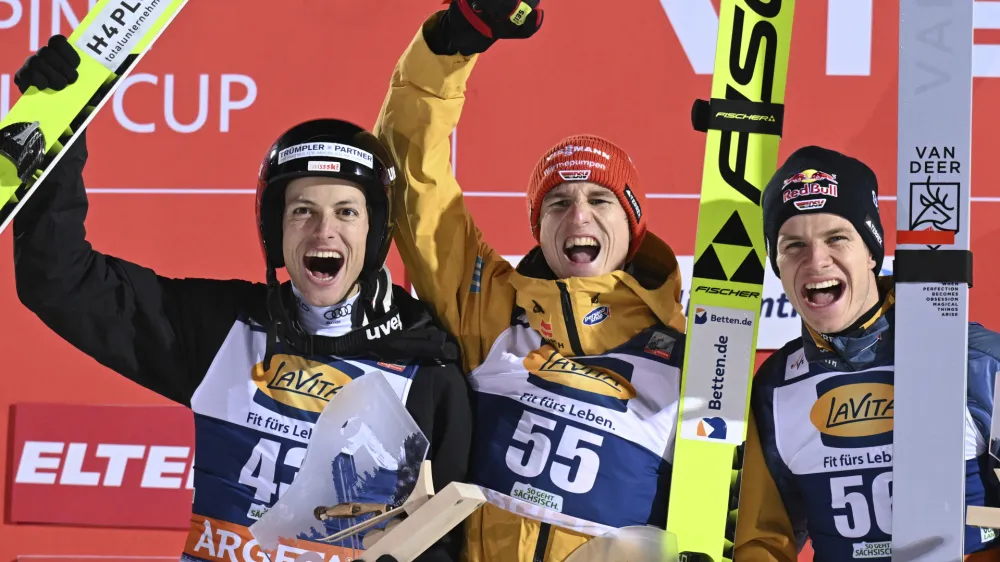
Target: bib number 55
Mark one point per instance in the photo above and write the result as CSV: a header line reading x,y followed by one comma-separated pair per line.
x,y
531,453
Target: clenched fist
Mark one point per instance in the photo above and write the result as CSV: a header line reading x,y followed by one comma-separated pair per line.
x,y
468,27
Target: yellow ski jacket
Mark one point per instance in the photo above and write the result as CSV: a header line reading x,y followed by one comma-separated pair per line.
x,y
576,380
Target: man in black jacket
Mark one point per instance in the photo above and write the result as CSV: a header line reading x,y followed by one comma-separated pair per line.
x,y
256,363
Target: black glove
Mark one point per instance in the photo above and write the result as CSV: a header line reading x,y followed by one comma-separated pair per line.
x,y
472,26
53,66
383,558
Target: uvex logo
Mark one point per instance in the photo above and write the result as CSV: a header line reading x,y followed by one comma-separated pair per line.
x,y
385,329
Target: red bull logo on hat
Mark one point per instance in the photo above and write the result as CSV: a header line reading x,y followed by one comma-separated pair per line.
x,y
807,182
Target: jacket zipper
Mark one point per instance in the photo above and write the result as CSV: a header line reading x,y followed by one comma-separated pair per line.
x,y
541,544
567,306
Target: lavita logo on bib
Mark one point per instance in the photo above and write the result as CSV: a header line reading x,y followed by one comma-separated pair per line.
x,y
600,381
854,410
298,387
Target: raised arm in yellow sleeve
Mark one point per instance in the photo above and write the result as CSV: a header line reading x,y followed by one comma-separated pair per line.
x,y
763,529
440,245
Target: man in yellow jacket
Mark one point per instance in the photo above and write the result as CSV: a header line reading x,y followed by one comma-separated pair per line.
x,y
575,355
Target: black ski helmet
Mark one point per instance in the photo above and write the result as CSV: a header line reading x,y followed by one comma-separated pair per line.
x,y
332,148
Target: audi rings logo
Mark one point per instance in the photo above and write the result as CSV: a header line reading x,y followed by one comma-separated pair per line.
x,y
338,313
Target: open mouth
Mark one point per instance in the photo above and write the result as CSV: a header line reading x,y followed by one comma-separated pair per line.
x,y
582,249
823,293
323,265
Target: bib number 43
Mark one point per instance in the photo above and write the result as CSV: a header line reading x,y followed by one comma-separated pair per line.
x,y
259,472
849,499
574,464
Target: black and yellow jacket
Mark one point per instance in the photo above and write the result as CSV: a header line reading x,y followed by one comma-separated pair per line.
x,y
576,380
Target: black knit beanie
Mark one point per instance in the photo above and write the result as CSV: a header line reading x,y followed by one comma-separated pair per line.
x,y
819,180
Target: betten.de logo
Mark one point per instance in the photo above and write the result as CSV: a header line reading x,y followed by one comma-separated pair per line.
x,y
713,428
700,315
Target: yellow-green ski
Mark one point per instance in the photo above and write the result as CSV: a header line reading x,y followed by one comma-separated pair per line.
x,y
743,122
110,40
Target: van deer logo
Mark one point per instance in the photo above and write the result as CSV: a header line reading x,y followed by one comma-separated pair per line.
x,y
934,206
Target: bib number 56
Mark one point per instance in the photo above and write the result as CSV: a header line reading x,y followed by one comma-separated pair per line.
x,y
857,522
535,432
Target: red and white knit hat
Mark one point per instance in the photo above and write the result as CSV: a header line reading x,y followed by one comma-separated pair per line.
x,y
597,160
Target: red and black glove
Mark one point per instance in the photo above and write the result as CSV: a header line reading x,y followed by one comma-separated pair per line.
x,y
469,27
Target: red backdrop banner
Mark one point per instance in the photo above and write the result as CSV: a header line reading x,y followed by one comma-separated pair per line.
x,y
102,466
173,157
